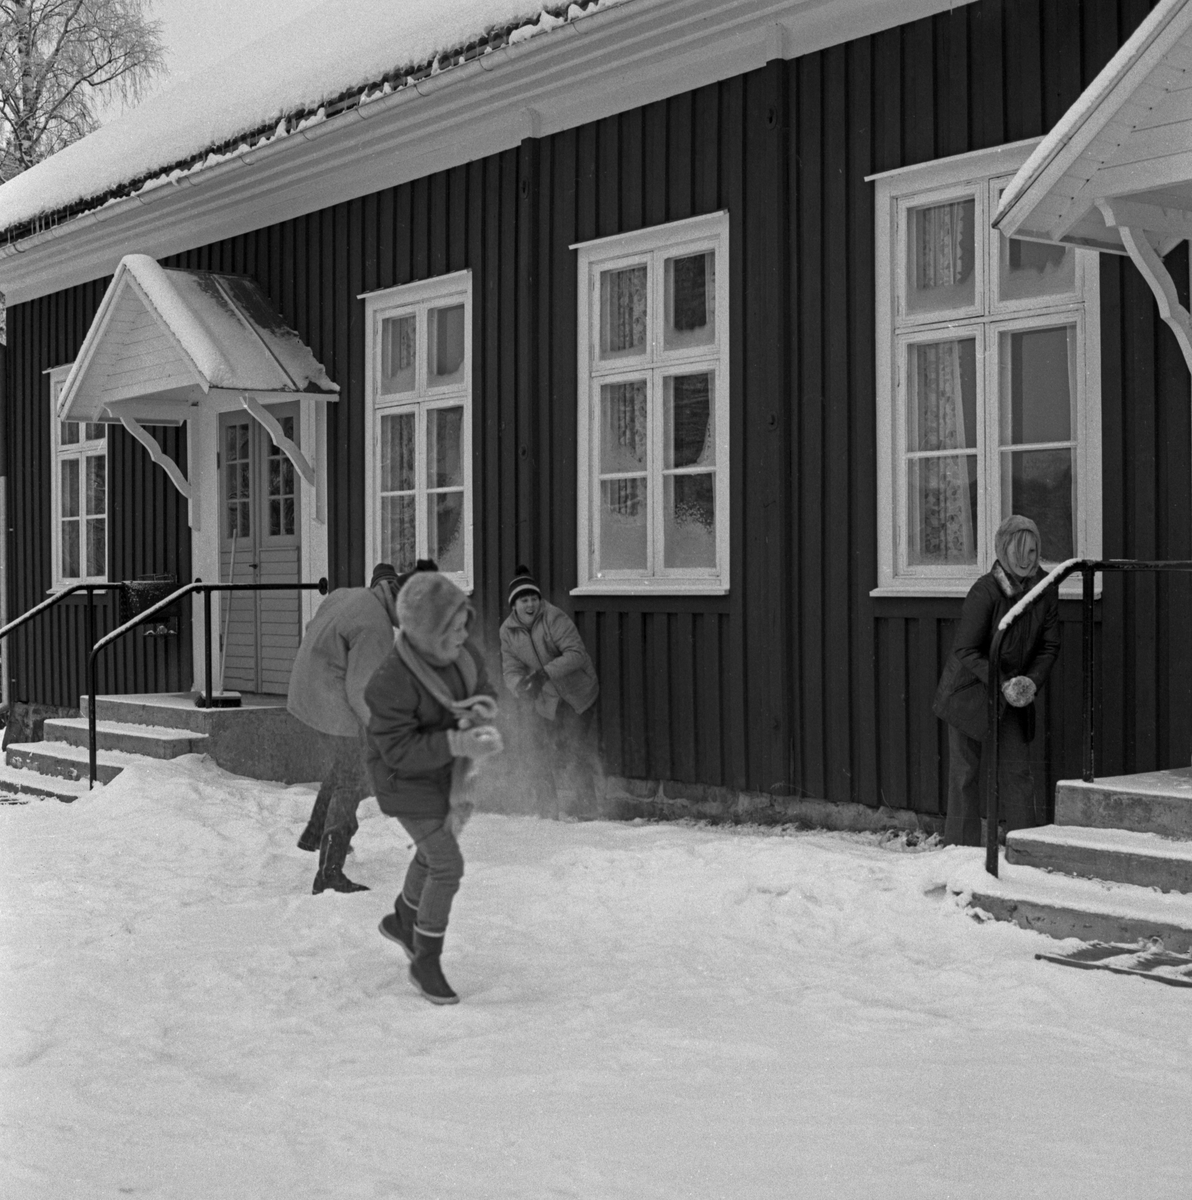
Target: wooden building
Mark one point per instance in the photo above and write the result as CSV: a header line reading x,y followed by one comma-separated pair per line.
x,y
695,307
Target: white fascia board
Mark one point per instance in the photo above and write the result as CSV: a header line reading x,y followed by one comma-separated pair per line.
x,y
613,61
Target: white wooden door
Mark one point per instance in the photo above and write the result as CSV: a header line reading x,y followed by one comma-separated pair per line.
x,y
260,542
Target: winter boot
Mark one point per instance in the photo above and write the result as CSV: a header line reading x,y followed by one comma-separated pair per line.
x,y
312,835
398,926
426,974
332,852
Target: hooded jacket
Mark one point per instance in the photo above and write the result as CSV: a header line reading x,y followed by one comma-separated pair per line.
x,y
551,644
408,755
342,646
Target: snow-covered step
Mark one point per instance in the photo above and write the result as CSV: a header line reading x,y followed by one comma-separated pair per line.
x,y
1116,855
153,741
1151,802
16,781
173,710
64,761
1062,906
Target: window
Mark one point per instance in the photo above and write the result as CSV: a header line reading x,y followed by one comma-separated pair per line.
x,y
78,494
654,410
419,472
988,391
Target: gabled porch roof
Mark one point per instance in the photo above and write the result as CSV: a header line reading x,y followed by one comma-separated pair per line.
x,y
163,339
1126,141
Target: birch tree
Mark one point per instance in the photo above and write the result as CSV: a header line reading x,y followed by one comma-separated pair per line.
x,y
59,59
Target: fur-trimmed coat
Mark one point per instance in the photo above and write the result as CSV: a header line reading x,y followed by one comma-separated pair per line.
x,y
1030,647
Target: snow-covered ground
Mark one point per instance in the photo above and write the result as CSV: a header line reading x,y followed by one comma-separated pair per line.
x,y
648,1011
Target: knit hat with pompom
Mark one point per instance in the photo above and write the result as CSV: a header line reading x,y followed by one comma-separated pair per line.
x,y
523,585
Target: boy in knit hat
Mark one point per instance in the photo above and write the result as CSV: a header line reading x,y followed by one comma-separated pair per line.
x,y
431,705
544,661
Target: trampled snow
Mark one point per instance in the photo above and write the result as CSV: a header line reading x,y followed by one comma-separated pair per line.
x,y
648,1011
334,48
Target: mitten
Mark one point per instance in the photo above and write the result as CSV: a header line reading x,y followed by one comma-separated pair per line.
x,y
532,685
477,742
1019,691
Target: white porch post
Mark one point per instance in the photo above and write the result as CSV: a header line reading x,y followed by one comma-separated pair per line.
x,y
202,448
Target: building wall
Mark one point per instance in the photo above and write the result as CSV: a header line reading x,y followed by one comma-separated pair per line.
x,y
798,682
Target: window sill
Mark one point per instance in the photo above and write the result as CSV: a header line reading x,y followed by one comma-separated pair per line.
x,y
61,587
1070,589
669,587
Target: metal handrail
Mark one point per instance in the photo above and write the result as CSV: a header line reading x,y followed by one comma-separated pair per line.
x,y
1088,567
186,589
57,598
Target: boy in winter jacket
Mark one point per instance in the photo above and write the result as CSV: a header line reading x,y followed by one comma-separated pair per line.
x,y
430,703
544,661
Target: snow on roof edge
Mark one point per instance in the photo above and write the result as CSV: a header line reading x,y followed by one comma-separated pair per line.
x,y
299,117
1066,128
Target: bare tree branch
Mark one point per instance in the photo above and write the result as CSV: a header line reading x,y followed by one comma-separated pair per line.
x,y
58,60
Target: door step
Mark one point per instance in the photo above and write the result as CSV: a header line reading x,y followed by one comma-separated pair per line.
x,y
151,741
1062,906
1146,860
1152,802
17,786
64,761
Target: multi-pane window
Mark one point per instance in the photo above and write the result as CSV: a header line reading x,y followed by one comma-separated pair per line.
x,y
420,478
79,494
281,486
988,392
653,410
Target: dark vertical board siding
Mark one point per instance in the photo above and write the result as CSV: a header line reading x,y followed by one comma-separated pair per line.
x,y
797,681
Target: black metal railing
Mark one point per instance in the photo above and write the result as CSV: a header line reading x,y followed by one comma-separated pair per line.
x,y
206,697
1088,569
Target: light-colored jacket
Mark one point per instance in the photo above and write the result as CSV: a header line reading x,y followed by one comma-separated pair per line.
x,y
551,644
345,642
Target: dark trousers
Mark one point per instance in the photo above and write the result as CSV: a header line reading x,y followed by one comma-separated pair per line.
x,y
345,784
967,780
434,873
572,739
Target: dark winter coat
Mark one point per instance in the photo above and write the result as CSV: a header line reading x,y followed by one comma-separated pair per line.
x,y
408,755
1029,647
550,644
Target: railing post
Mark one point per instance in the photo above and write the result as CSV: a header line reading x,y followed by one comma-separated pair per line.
x,y
1086,623
994,695
207,643
92,751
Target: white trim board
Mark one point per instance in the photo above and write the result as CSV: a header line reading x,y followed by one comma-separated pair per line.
x,y
616,60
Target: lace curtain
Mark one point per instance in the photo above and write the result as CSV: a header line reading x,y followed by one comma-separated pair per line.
x,y
947,529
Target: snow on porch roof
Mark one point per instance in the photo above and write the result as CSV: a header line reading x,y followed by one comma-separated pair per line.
x,y
168,337
1129,135
339,55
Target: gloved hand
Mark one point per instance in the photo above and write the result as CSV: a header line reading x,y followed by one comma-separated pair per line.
x,y
531,686
478,742
1019,691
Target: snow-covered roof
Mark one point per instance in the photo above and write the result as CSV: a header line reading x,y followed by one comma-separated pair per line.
x,y
170,337
1128,135
341,54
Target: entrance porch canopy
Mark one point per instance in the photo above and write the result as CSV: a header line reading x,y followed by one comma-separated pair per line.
x,y
1115,174
167,344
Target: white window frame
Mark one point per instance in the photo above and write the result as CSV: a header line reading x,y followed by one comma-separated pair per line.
x,y
417,299
59,453
706,233
979,174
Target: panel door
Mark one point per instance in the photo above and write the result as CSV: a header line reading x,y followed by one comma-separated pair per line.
x,y
260,534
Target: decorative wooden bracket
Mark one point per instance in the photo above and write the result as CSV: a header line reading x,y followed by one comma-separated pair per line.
x,y
272,426
167,464
1146,259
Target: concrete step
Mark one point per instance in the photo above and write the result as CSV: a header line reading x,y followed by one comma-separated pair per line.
x,y
153,741
169,711
1152,802
1115,855
64,761
15,781
1062,906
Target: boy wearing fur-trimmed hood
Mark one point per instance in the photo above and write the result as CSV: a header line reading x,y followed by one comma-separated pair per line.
x,y
431,705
